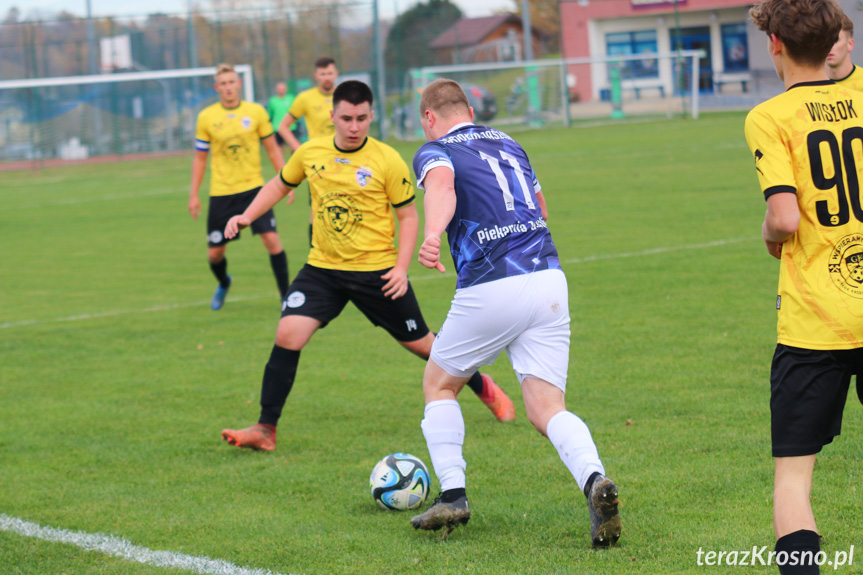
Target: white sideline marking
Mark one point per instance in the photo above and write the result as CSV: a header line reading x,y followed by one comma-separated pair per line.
x,y
659,250
69,202
448,274
125,549
100,314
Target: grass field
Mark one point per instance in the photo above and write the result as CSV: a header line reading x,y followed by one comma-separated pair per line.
x,y
116,379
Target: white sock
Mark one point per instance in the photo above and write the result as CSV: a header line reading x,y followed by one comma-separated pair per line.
x,y
571,437
443,428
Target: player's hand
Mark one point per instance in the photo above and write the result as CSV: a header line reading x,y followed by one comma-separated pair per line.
x,y
774,249
290,197
194,207
397,283
236,224
429,254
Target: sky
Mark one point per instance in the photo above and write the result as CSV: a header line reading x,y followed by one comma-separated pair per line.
x,y
46,8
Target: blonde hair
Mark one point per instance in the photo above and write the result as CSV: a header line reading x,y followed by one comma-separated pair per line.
x,y
223,68
444,97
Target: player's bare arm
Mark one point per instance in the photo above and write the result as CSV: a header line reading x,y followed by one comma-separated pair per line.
x,y
274,152
199,166
439,204
285,132
541,199
780,221
270,195
397,278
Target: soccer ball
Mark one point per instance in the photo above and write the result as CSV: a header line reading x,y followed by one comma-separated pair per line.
x,y
400,481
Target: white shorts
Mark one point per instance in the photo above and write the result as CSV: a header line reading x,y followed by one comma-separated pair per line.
x,y
526,315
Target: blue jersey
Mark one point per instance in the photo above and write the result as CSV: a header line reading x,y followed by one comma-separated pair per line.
x,y
497,230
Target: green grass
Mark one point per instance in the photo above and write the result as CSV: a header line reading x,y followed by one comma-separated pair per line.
x,y
116,379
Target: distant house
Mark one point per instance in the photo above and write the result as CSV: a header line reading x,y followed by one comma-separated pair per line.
x,y
495,38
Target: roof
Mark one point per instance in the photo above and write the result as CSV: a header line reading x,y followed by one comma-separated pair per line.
x,y
471,31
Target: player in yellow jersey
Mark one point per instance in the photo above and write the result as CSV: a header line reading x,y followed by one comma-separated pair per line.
x,y
356,184
314,104
233,131
840,68
806,143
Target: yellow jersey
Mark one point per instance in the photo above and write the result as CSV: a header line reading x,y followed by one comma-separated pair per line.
x,y
353,225
809,141
234,137
316,108
854,80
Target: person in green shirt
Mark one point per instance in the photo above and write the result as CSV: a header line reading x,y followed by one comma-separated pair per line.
x,y
278,106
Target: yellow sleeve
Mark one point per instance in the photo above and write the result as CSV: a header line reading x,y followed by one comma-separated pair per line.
x,y
399,186
772,159
265,127
293,172
298,107
202,136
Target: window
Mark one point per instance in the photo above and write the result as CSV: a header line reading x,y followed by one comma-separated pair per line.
x,y
632,43
735,50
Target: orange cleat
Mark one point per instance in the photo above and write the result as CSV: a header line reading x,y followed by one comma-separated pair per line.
x,y
496,400
261,437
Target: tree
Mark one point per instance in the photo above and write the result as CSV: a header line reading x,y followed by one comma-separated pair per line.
x,y
409,38
545,16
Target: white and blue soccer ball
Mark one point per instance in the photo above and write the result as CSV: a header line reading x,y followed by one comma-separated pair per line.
x,y
400,481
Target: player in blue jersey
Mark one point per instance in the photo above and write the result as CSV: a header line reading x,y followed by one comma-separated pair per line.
x,y
511,294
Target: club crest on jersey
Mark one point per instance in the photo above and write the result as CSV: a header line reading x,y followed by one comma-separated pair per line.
x,y
247,122
364,176
340,216
845,265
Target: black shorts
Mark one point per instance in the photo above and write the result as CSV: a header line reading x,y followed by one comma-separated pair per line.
x,y
322,294
808,389
223,208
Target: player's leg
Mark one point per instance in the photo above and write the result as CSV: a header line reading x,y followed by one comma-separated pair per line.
x,y
540,358
265,227
220,210
808,390
312,303
443,428
403,320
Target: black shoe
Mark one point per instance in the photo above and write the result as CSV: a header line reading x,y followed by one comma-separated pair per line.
x,y
604,516
449,515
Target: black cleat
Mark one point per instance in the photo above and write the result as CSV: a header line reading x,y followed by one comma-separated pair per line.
x,y
449,515
604,516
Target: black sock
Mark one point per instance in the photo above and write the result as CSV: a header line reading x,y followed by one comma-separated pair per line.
x,y
220,270
279,263
278,381
800,548
451,495
475,383
589,483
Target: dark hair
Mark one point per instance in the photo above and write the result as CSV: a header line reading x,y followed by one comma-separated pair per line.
x,y
848,25
324,62
354,92
808,28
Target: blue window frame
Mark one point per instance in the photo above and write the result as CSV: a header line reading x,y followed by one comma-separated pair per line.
x,y
632,43
735,49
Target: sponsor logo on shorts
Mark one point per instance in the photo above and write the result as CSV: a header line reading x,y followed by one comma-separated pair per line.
x,y
845,265
295,300
215,237
364,176
273,222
